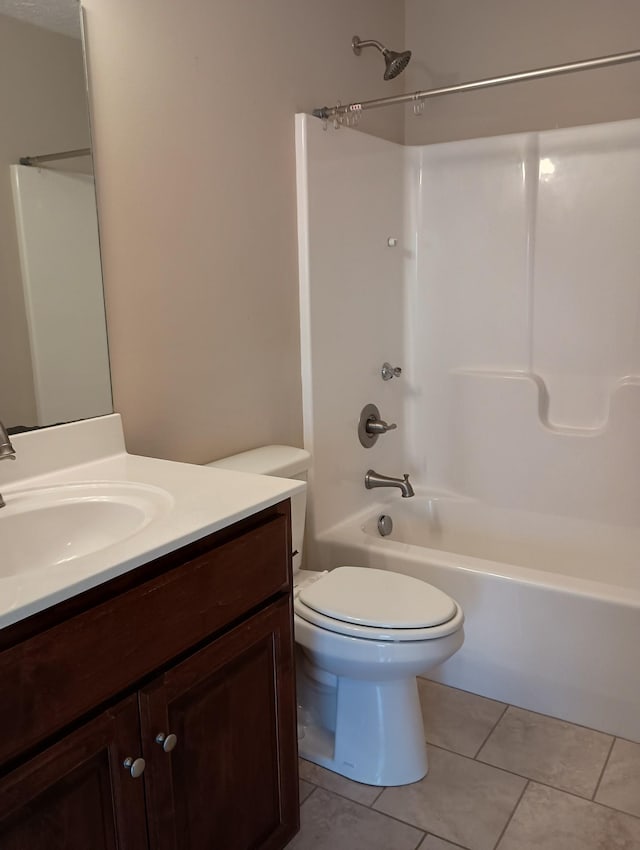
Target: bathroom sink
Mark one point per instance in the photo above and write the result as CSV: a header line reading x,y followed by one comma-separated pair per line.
x,y
52,526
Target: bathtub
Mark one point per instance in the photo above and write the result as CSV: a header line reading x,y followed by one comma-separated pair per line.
x,y
552,604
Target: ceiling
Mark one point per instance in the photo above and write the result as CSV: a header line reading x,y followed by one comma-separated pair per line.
x,y
61,16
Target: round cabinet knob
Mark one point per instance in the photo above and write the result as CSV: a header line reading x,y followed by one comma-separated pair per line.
x,y
134,766
167,742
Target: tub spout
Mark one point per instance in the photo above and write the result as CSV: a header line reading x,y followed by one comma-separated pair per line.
x,y
373,479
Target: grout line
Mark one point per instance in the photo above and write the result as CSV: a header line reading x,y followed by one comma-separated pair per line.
x,y
448,840
309,795
534,779
604,767
421,839
528,781
627,740
462,691
399,820
537,782
313,788
607,806
358,803
491,731
562,720
372,803
425,834
531,711
344,796
506,826
496,767
611,807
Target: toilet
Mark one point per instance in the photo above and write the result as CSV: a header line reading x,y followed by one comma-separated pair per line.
x,y
362,636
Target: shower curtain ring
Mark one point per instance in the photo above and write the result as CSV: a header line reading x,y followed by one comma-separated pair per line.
x,y
338,118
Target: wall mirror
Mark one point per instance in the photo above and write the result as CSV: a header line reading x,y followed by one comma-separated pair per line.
x,y
54,363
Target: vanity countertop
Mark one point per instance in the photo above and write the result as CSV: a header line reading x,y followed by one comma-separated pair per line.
x,y
187,501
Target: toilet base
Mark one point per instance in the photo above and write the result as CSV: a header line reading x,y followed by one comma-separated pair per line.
x,y
378,737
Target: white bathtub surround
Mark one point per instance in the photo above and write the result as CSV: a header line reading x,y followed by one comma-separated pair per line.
x,y
524,320
350,201
517,270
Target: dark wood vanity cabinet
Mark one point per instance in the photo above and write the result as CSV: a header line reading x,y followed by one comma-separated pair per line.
x,y
196,645
76,795
224,786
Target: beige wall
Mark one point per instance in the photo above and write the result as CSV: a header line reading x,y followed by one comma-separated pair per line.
x,y
458,40
193,108
193,119
43,109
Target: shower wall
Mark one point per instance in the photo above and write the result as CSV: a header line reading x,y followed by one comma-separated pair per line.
x,y
525,320
512,301
350,203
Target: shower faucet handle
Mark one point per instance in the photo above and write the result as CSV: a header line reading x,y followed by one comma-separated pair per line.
x,y
378,426
371,426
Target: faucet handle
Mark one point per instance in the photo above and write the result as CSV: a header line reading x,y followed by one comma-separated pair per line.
x,y
371,425
378,426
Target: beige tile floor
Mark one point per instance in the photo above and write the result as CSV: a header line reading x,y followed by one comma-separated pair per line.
x,y
500,778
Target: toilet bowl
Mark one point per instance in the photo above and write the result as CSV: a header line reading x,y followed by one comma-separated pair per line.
x,y
362,636
365,659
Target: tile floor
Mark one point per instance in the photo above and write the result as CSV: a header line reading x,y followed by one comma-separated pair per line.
x,y
500,778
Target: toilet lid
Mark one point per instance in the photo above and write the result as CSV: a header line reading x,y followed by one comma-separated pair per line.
x,y
378,598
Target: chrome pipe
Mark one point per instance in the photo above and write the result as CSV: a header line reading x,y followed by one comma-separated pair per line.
x,y
328,112
50,157
357,44
6,449
7,452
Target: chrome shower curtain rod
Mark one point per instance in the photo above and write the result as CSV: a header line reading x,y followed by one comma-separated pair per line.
x,y
50,157
330,112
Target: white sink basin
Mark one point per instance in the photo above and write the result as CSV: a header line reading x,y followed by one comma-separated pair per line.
x,y
52,526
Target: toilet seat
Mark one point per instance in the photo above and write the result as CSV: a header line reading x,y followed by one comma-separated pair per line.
x,y
377,605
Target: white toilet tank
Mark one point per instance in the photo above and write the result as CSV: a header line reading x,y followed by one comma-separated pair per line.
x,y
281,462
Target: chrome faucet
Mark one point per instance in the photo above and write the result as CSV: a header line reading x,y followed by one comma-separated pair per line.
x,y
7,452
374,479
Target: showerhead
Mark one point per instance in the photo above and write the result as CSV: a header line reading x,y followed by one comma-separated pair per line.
x,y
395,62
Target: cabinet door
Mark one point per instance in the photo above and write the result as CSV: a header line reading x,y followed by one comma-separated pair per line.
x,y
231,780
77,795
